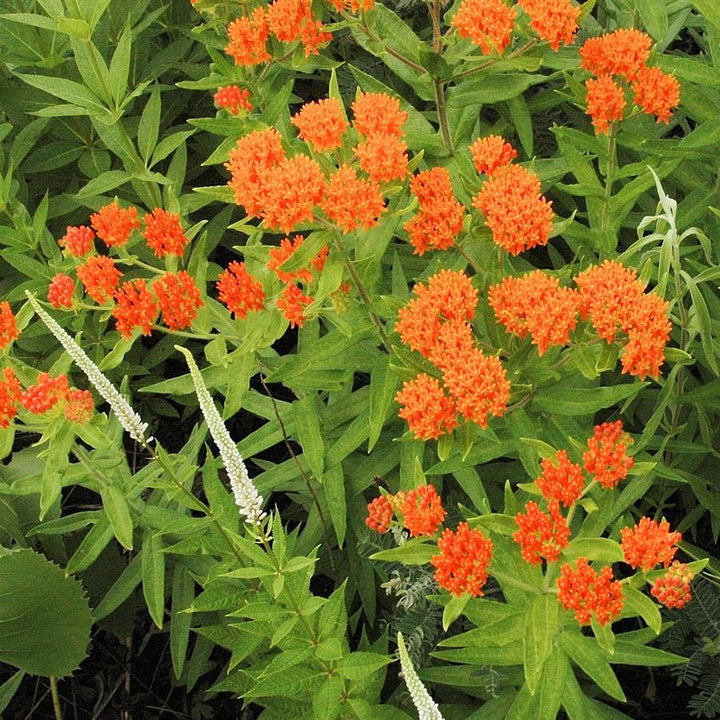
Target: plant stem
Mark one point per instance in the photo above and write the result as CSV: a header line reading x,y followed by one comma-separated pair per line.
x,y
55,698
494,61
438,83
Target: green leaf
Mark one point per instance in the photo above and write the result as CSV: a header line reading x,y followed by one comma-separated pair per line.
x,y
333,484
306,412
602,549
118,513
604,635
44,616
120,66
358,665
104,182
92,545
654,17
540,629
68,90
9,688
454,609
490,89
710,11
552,685
565,400
383,385
586,654
305,254
149,126
183,594
326,700
153,577
637,603
703,317
416,551
629,653
120,590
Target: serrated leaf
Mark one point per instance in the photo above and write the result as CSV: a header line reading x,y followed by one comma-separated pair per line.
x,y
358,665
44,616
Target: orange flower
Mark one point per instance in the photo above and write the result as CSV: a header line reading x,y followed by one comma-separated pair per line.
x,y
239,290
352,5
605,102
536,303
422,510
622,52
487,23
8,325
164,234
519,217
541,535
606,456
461,566
114,224
352,202
249,162
280,254
78,241
378,114
248,39
45,394
100,277
428,410
380,514
383,157
441,216
555,21
582,590
79,406
178,299
321,124
135,308
291,20
562,482
649,543
291,191
313,36
490,153
673,588
9,396
449,296
60,291
291,304
656,92
233,98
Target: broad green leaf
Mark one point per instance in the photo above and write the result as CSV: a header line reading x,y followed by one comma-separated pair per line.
x,y
118,512
552,685
654,16
629,653
120,590
44,616
333,484
490,89
454,609
540,629
358,665
326,700
67,90
588,656
510,654
605,637
153,576
103,183
637,603
120,65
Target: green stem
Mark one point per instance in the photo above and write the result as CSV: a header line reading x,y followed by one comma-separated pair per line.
x,y
55,698
494,61
394,53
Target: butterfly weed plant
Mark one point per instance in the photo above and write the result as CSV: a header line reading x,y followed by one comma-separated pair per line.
x,y
352,328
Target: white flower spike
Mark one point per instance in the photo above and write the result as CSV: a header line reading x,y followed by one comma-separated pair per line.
x,y
426,706
247,498
129,419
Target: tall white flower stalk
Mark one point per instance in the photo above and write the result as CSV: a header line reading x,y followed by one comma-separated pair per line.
x,y
426,707
129,419
247,498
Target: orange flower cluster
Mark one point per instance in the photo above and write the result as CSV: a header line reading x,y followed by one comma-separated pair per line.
x,y
490,153
378,114
239,290
135,308
78,241
233,98
673,588
321,124
555,22
352,202
441,216
649,543
622,54
541,535
536,304
380,512
178,299
9,397
77,405
519,217
461,566
563,482
114,224
164,234
436,324
352,5
611,296
487,23
422,510
292,303
61,290
248,38
585,592
606,455
419,511
99,277
8,325
428,410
